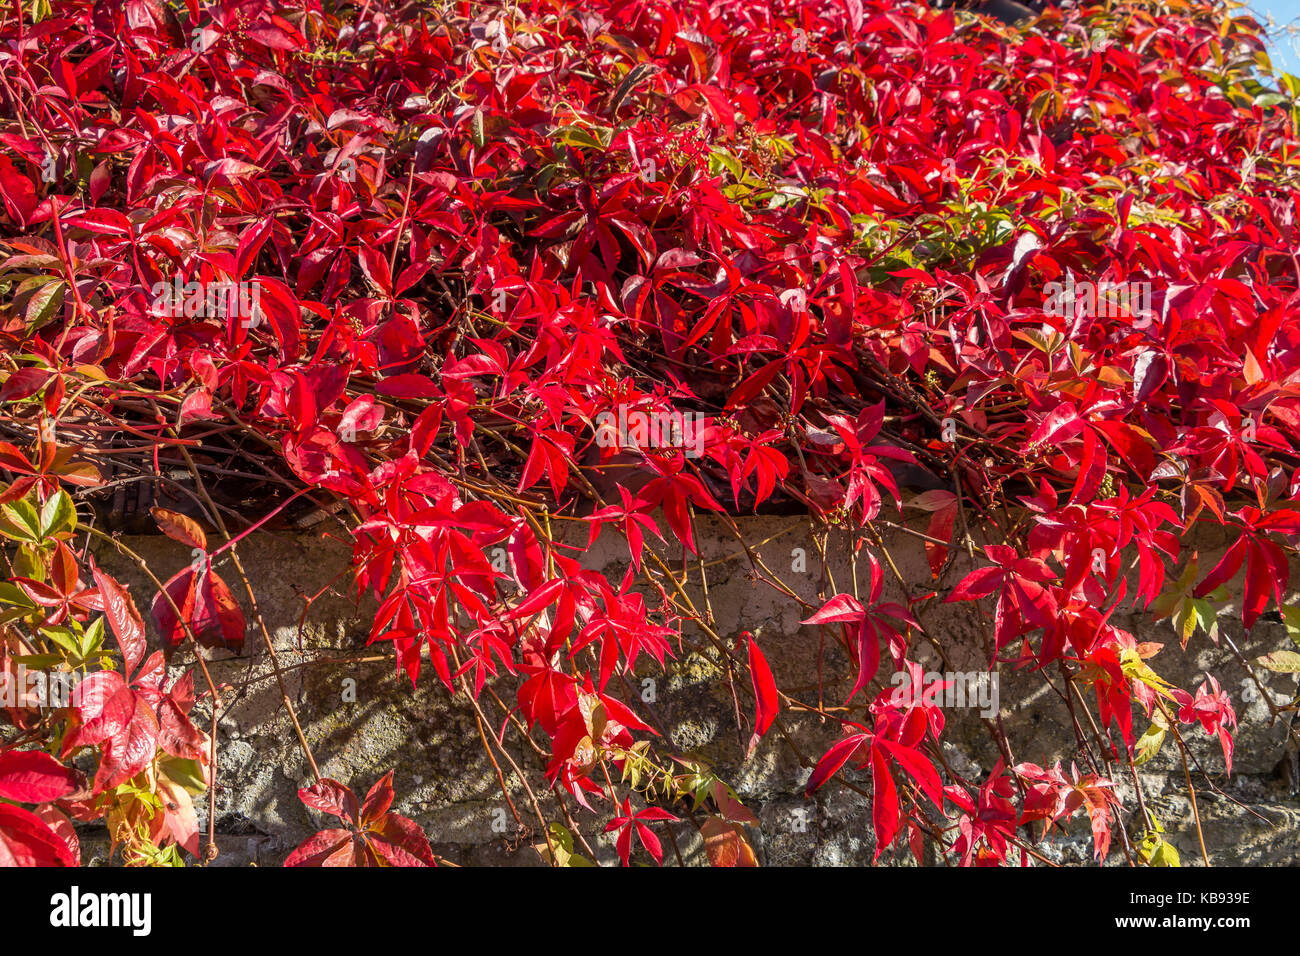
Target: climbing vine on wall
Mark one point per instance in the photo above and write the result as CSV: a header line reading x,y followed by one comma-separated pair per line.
x,y
452,279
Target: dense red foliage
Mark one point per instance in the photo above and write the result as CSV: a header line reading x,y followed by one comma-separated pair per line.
x,y
830,230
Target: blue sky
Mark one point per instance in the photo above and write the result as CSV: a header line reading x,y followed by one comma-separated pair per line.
x,y
1283,48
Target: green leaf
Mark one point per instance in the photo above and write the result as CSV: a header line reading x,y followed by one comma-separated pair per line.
x,y
43,304
1154,851
187,773
11,593
14,614
634,76
572,136
1281,662
1208,617
58,514
64,639
1163,854
561,848
93,639
40,662
1291,618
1185,621
1174,596
720,160
477,129
546,174
20,521
1148,745
28,563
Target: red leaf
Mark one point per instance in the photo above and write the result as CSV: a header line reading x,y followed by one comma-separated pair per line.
x,y
399,832
180,528
409,385
63,829
374,263
885,814
842,607
123,618
24,383
330,796
218,620
327,848
176,820
33,776
754,384
650,842
130,750
918,767
977,584
526,559
180,590
1061,424
765,695
1225,570
940,528
104,705
17,192
275,37
26,840
378,800
280,306
868,655
834,759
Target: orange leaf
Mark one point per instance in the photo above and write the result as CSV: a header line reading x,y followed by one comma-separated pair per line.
x,y
180,528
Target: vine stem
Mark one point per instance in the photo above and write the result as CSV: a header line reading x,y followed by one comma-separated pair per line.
x,y
1187,773
210,852
481,720
252,598
261,621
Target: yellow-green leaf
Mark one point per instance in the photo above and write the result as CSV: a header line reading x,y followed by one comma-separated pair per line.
x,y
1148,745
1281,662
58,514
1291,618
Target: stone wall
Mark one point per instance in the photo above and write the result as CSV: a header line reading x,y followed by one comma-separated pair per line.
x,y
445,781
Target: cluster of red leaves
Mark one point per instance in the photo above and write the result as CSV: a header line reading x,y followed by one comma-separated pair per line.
x,y
135,723
825,228
373,835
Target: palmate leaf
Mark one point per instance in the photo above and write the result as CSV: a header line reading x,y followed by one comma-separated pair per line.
x,y
1190,613
373,836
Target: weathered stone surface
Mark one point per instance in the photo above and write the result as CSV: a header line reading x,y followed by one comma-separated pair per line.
x,y
361,719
